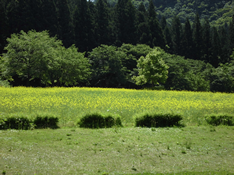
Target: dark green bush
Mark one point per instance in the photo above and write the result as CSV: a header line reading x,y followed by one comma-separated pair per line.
x,y
15,123
97,120
46,122
220,119
158,120
19,121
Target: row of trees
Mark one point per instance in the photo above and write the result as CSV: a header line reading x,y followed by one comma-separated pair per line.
x,y
35,59
88,25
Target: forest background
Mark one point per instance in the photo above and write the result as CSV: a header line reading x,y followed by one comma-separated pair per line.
x,y
198,37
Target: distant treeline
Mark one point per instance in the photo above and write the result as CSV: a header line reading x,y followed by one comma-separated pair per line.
x,y
88,25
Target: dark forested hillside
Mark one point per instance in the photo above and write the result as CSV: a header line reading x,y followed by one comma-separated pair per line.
x,y
193,29
218,12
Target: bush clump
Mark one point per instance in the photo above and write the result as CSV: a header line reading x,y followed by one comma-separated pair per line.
x,y
24,122
46,121
220,119
15,122
158,120
97,120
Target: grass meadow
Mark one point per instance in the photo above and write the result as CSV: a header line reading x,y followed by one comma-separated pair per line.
x,y
195,149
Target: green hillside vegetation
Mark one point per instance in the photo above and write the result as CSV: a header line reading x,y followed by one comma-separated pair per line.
x,y
104,45
218,12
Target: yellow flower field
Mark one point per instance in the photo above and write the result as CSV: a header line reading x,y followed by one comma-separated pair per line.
x,y
71,103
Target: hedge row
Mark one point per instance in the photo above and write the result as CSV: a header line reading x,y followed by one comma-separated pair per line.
x,y
98,120
220,119
20,122
158,120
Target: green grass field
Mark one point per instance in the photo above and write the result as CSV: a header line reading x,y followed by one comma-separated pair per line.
x,y
195,149
198,150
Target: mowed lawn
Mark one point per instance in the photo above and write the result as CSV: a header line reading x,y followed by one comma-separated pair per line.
x,y
69,104
193,149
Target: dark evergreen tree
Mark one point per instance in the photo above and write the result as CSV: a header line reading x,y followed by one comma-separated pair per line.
x,y
224,44
29,15
65,32
84,27
163,22
197,38
3,25
215,60
157,37
167,35
187,40
231,34
143,31
125,22
177,35
102,20
13,16
206,49
49,17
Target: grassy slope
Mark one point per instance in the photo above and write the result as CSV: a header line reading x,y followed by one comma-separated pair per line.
x,y
118,151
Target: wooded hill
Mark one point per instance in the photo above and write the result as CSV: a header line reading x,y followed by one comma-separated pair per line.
x,y
97,26
218,12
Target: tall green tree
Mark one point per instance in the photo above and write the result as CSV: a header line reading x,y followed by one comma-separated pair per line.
x,y
49,17
35,58
84,27
177,35
125,22
143,30
3,25
207,46
187,40
13,16
224,44
197,38
231,34
102,20
107,67
65,23
157,37
152,68
167,35
216,48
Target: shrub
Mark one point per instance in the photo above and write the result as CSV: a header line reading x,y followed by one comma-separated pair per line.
x,y
15,122
21,121
157,120
220,119
45,121
97,120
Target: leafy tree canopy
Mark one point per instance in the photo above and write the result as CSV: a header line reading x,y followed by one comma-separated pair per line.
x,y
152,69
35,58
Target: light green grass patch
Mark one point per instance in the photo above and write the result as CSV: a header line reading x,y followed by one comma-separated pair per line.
x,y
118,151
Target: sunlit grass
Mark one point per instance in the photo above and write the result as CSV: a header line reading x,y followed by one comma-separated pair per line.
x,y
70,103
118,151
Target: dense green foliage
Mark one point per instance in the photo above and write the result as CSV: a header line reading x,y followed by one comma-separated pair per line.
x,y
98,120
158,120
152,68
220,119
218,12
25,122
34,58
114,35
